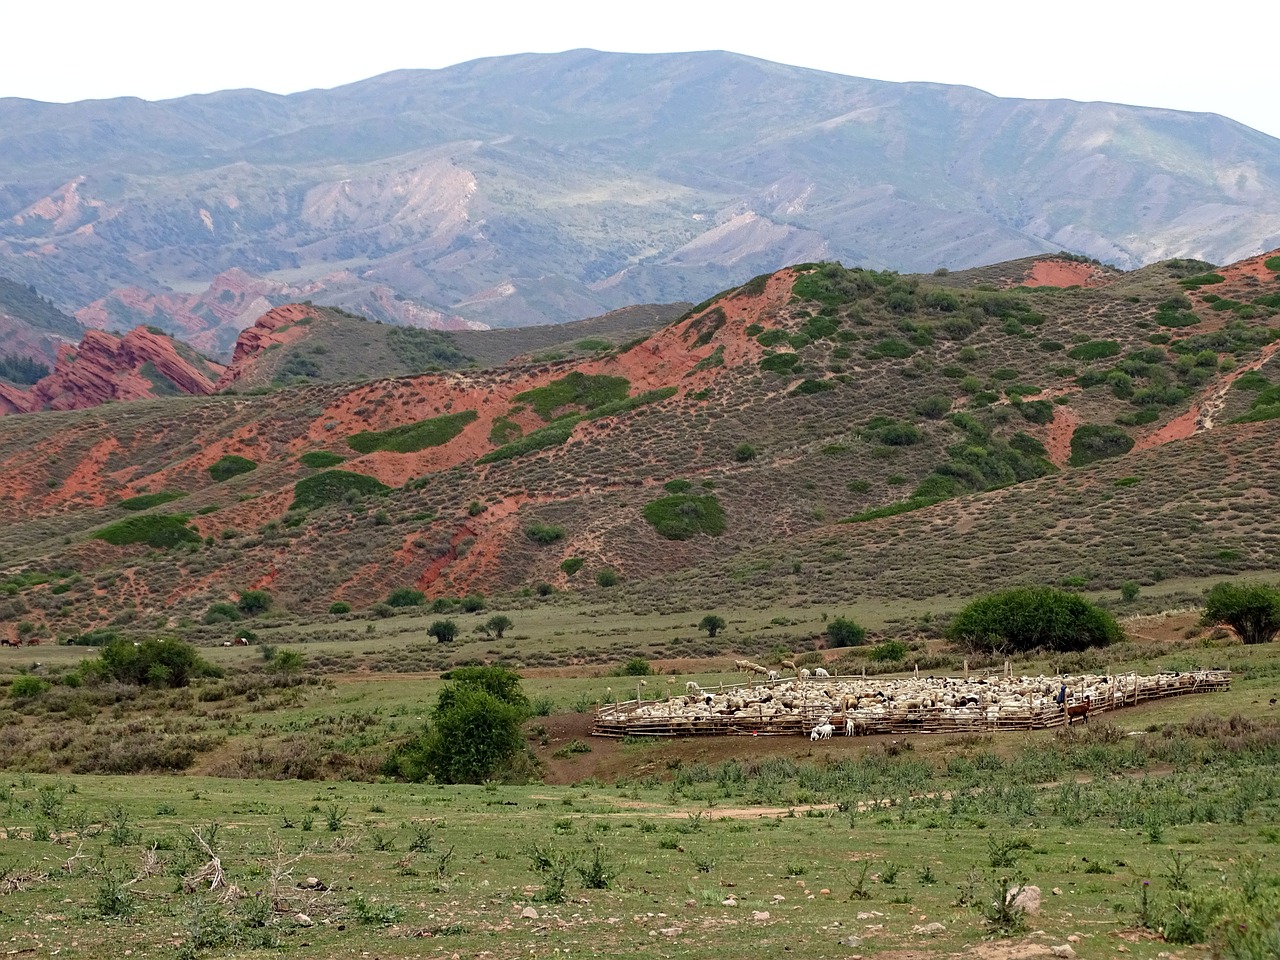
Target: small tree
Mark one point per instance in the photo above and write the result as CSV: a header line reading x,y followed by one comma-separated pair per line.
x,y
406,597
712,624
287,662
1029,618
1252,610
1129,590
445,631
607,577
843,632
498,624
254,602
339,607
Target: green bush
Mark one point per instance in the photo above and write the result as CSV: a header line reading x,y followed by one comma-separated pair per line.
x,y
221,613
153,663
684,515
782,363
148,500
607,578
230,466
167,530
711,623
320,459
744,453
339,607
1094,350
406,597
1201,280
891,651
27,686
636,667
1092,442
254,602
1030,618
809,387
412,437
444,631
843,632
334,486
575,390
1252,610
571,565
544,533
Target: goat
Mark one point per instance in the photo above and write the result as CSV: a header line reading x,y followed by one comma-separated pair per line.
x,y
822,731
1080,710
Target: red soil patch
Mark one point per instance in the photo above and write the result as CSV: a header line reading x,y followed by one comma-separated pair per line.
x,y
85,481
1058,441
1252,267
1065,273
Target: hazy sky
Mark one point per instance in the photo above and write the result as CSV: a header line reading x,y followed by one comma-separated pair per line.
x,y
1216,60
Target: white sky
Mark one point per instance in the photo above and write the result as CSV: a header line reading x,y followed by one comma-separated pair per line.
x,y
1217,60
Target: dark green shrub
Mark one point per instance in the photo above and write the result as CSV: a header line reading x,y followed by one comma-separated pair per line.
x,y
1094,350
1031,618
148,500
412,437
571,565
444,631
406,597
155,663
711,623
543,533
934,407
684,515
472,603
339,607
782,363
1092,442
843,632
221,613
26,686
230,466
891,651
575,390
166,530
607,578
744,453
334,486
254,602
636,667
1252,610
320,459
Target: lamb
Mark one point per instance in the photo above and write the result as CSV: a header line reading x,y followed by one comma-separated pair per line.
x,y
822,731
804,673
773,675
692,687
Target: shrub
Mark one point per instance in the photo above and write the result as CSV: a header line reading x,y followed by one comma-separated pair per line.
x,y
334,486
444,631
683,516
934,407
221,613
406,597
744,453
891,651
577,390
1129,590
167,530
571,565
712,624
155,663
230,466
636,667
1252,610
498,624
543,533
254,602
607,577
412,437
1030,618
472,602
1094,350
842,632
339,606
320,459
148,500
27,686
1092,442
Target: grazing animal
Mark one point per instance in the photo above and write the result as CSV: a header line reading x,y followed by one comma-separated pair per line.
x,y
773,675
804,673
822,731
692,687
1080,710
820,672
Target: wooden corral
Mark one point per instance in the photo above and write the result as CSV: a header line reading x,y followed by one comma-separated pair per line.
x,y
794,706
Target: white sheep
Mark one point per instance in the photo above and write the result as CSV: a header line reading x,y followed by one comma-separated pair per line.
x,y
848,726
822,731
692,687
804,673
820,672
773,675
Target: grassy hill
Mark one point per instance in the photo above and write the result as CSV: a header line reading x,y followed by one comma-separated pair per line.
x,y
806,437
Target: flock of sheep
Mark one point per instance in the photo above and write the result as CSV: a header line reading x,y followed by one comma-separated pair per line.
x,y
814,703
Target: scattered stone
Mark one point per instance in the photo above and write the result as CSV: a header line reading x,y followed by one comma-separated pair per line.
x,y
929,929
1064,951
778,898
1026,899
869,914
302,920
1122,949
824,891
851,942
729,902
528,913
691,902
1074,938
759,914
1057,891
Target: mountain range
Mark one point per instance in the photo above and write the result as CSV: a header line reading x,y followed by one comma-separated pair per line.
x,y
811,435
544,188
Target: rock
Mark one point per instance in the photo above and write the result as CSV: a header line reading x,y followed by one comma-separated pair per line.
x,y
759,914
1026,899
1056,891
870,914
528,913
691,902
1064,951
929,929
302,920
1074,938
729,902
851,942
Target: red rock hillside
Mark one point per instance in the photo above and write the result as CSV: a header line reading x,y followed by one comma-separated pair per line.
x,y
105,367
274,327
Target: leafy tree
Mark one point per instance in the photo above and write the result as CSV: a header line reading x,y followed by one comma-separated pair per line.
x,y
474,730
498,624
843,632
636,667
153,663
1029,618
406,597
445,631
253,602
712,624
1129,590
1252,610
230,466
287,662
473,603
221,613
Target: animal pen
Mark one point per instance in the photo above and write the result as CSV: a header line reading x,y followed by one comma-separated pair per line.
x,y
871,705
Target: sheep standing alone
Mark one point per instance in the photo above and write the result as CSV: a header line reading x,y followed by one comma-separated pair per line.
x,y
820,672
822,731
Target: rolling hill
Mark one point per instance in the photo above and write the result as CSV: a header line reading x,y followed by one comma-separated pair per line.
x,y
540,188
809,434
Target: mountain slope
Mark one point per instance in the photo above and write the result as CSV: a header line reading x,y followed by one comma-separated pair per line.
x,y
1078,432
541,188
